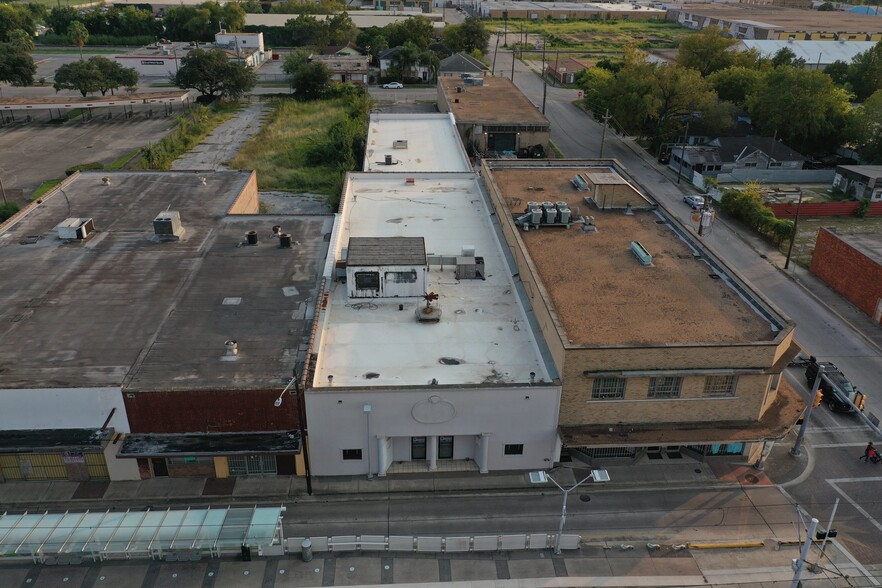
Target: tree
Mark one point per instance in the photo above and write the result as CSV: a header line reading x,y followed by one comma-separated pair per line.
x,y
803,106
468,36
308,31
407,57
251,6
865,72
114,75
341,29
82,76
310,81
21,40
59,19
867,129
838,70
16,65
295,60
735,84
201,22
78,35
213,75
826,7
418,30
784,56
373,39
14,17
707,51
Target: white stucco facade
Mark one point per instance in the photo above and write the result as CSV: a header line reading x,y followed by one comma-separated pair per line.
x,y
482,421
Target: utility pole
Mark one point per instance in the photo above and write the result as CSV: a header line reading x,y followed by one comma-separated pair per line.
x,y
683,152
495,50
512,64
772,149
544,76
606,118
3,192
795,227
505,29
701,217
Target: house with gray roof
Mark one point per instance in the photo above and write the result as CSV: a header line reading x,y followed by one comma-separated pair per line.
x,y
460,64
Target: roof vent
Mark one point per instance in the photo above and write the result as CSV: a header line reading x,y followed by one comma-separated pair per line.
x,y
399,144
641,253
231,353
76,228
410,181
167,225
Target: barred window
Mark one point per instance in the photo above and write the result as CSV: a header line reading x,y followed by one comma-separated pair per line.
x,y
608,388
720,386
668,387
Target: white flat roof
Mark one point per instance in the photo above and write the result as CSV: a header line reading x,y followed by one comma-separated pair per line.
x,y
433,144
812,51
483,325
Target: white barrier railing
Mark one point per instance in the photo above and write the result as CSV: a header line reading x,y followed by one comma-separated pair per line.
x,y
432,544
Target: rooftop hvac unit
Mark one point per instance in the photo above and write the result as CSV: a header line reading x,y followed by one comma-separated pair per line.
x,y
469,268
76,228
579,183
399,144
167,225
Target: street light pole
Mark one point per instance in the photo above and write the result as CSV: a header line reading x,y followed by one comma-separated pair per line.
x,y
683,150
301,418
797,447
538,477
795,227
367,412
544,76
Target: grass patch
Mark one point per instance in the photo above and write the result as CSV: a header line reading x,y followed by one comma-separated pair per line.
x,y
807,233
555,150
281,151
54,3
597,35
122,161
45,187
192,128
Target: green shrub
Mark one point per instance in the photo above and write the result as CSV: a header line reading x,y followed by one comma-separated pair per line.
x,y
863,208
748,206
7,210
84,167
97,40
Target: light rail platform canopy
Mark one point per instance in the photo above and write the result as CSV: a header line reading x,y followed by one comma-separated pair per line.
x,y
132,534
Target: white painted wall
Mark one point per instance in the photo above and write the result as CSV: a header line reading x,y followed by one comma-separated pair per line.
x,y
62,408
337,421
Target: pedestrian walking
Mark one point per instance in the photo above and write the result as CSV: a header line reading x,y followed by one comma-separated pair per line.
x,y
873,455
867,451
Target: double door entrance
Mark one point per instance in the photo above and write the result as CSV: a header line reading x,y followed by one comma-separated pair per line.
x,y
418,448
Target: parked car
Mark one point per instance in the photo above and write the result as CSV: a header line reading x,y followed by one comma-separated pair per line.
x,y
393,86
835,389
695,202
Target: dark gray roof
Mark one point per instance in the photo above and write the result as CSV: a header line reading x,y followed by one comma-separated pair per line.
x,y
36,440
389,53
739,147
386,251
866,171
125,308
462,62
701,154
210,444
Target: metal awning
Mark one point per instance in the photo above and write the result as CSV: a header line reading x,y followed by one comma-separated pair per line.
x,y
134,534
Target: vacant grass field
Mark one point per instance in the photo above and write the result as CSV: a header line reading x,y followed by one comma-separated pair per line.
x,y
54,3
807,233
595,35
278,151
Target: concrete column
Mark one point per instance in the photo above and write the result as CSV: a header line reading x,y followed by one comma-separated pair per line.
x,y
432,452
382,455
483,452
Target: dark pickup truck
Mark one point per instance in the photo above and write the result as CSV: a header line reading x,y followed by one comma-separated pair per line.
x,y
834,395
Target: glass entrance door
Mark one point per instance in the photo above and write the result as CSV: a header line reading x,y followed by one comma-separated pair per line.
x,y
418,448
445,447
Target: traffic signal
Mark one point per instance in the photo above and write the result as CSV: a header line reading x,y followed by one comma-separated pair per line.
x,y
819,396
860,399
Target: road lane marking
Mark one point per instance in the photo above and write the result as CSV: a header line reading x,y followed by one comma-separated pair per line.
x,y
44,60
836,445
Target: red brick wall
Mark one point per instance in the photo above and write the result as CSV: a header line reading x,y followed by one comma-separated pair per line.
x,y
814,209
848,271
210,411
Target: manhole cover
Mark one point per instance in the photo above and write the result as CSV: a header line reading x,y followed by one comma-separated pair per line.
x,y
751,478
697,470
584,498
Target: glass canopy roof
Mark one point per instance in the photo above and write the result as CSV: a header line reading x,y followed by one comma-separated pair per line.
x,y
138,533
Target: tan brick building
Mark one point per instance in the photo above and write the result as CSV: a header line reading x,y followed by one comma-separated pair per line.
x,y
492,115
680,354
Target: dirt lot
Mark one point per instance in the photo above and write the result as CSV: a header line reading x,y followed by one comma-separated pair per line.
x,y
31,153
807,233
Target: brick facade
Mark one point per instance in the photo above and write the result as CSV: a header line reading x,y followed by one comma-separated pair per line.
x,y
209,411
848,271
